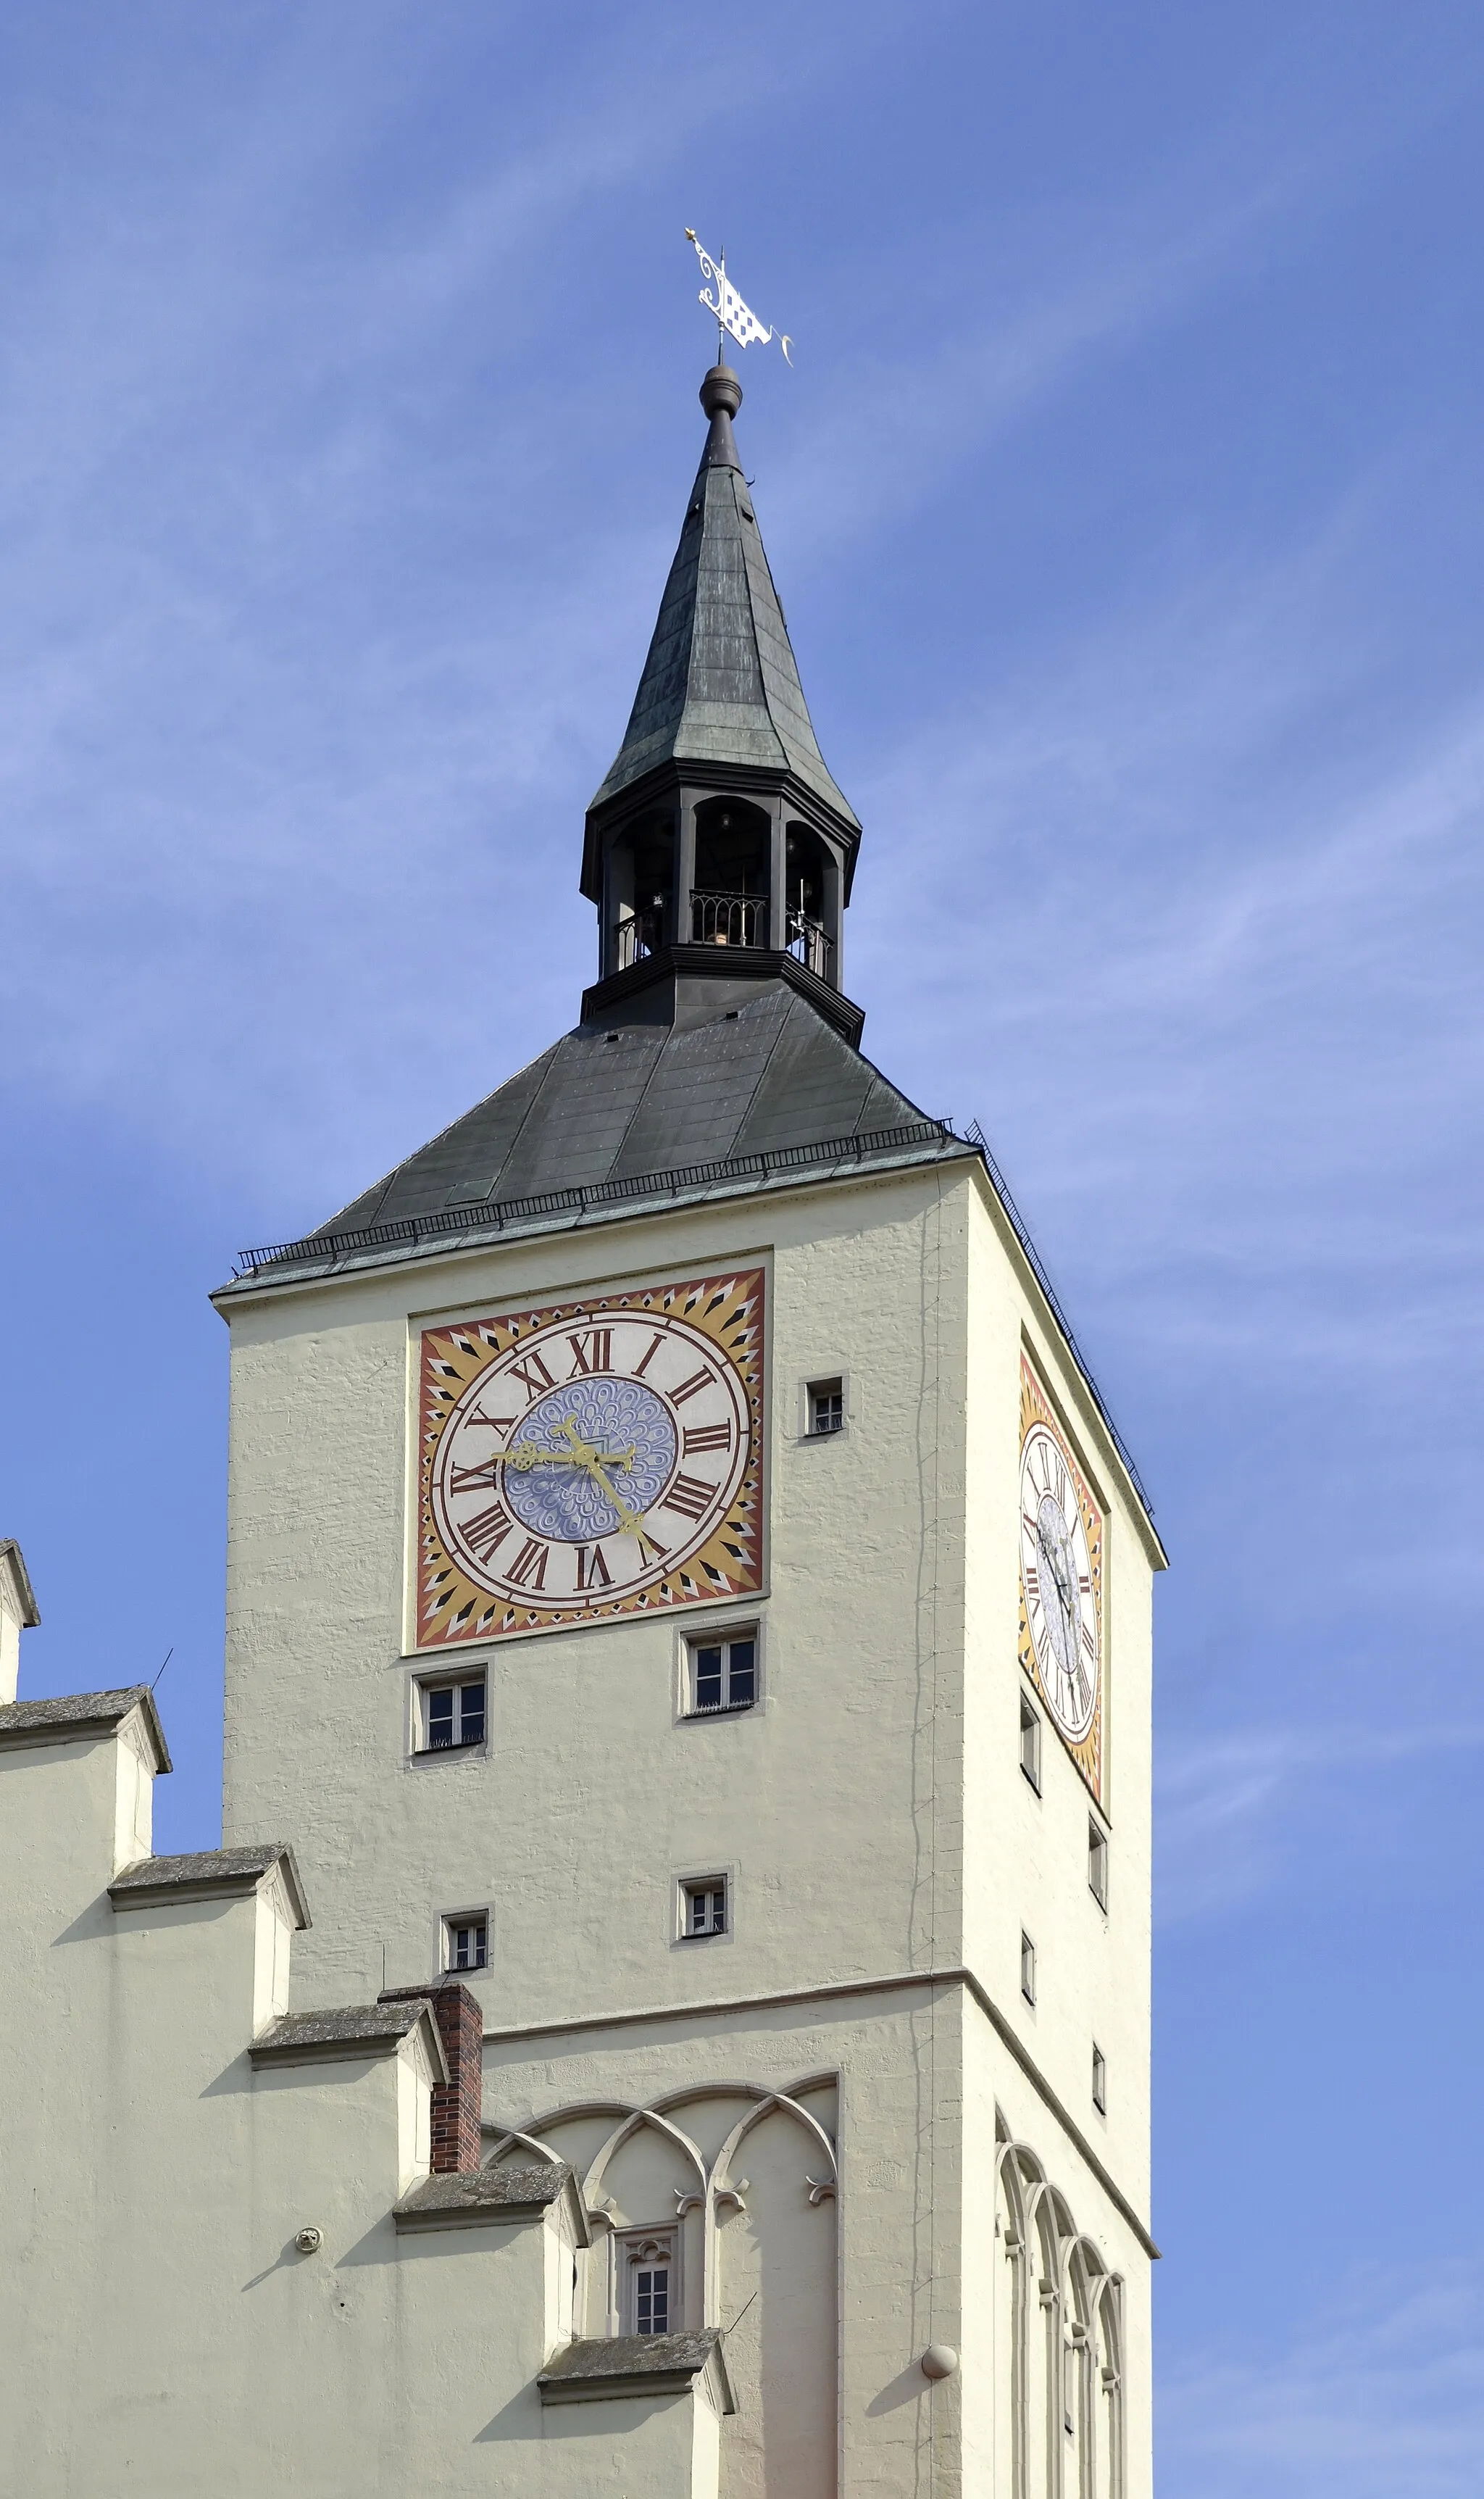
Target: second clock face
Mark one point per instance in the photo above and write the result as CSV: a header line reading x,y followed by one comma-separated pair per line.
x,y
1061,1582
587,1460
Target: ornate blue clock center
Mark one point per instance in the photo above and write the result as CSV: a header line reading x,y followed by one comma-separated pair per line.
x,y
627,1440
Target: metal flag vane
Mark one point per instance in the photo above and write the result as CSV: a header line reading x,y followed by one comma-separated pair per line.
x,y
734,318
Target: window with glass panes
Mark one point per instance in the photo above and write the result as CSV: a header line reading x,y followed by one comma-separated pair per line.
x,y
652,2299
724,1673
453,1714
703,1904
465,1941
826,1405
649,2302
1030,1743
1097,1864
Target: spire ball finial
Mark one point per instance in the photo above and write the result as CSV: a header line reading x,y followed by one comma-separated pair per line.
x,y
721,393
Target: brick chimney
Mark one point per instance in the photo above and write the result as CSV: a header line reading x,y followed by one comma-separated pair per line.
x,y
457,2109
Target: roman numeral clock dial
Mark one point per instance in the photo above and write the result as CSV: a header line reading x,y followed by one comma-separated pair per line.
x,y
591,1459
1061,1582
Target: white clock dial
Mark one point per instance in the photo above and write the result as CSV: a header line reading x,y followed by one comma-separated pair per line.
x,y
1056,1577
592,1459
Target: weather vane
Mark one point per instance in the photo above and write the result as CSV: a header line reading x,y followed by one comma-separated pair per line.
x,y
734,318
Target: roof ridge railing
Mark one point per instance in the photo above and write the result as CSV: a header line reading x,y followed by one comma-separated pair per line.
x,y
483,1215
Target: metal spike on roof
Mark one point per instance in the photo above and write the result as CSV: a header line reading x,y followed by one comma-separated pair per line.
x,y
721,684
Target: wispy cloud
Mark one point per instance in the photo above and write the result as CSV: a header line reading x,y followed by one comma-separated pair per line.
x,y
1235,1813
1381,2396
1266,960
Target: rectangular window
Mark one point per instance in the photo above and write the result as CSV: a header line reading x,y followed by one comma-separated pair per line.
x,y
649,2281
1099,2082
452,1715
826,1399
1097,1864
1030,1743
1028,1968
723,1673
652,2300
703,1906
466,1941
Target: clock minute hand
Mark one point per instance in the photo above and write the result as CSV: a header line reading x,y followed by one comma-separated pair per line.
x,y
589,1460
1051,1561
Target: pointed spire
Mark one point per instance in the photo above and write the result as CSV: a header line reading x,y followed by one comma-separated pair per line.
x,y
721,685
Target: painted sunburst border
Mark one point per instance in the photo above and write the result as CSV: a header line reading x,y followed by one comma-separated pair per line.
x,y
1036,1408
452,1608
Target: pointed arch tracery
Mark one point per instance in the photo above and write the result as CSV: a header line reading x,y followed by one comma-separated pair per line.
x,y
1064,2291
715,2183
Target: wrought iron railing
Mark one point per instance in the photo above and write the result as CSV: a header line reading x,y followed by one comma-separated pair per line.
x,y
810,944
728,919
631,943
412,1231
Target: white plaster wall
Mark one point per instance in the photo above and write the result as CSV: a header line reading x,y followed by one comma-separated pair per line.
x,y
159,2332
1026,1856
872,1812
893,2238
842,1793
999,2096
9,1632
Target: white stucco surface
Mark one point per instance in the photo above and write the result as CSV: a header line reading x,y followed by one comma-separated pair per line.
x,y
842,2118
160,2329
871,1811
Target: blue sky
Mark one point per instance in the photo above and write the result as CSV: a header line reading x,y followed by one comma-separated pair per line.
x,y
1125,504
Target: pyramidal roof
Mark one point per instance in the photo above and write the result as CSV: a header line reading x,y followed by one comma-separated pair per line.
x,y
721,684
698,1070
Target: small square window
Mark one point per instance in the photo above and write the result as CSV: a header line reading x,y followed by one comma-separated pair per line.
x,y
1030,1743
466,1940
825,1403
1099,2082
1028,1968
452,1715
703,1906
722,1673
1097,1864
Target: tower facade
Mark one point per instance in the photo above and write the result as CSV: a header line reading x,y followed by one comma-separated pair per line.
x,y
683,1580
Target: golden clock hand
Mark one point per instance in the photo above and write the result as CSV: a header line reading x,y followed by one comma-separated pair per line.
x,y
590,1462
526,1456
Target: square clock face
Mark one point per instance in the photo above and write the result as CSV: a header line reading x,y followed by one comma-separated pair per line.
x,y
596,1458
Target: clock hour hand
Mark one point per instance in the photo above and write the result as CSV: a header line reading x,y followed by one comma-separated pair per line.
x,y
526,1456
593,1462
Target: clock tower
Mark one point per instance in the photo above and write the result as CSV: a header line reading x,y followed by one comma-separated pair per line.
x,y
685,1586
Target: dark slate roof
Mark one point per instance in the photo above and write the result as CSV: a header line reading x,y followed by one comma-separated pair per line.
x,y
345,2031
766,1074
721,684
199,1873
462,2197
636,2364
82,1713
